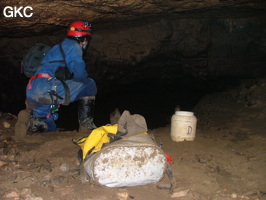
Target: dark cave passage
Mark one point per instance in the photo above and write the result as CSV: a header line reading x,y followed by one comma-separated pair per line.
x,y
154,99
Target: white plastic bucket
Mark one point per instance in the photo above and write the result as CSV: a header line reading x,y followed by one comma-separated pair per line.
x,y
183,126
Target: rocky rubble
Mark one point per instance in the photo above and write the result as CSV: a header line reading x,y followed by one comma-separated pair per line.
x,y
225,162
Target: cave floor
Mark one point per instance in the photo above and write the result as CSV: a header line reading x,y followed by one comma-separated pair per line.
x,y
227,160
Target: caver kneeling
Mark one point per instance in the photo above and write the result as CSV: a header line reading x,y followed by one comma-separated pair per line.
x,y
60,79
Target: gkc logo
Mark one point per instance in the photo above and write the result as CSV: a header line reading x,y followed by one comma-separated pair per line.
x,y
18,12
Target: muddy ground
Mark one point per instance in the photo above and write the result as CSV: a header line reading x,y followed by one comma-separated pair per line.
x,y
226,161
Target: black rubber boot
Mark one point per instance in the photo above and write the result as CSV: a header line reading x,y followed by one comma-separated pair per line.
x,y
86,107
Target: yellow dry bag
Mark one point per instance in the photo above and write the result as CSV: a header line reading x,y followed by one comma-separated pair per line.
x,y
95,141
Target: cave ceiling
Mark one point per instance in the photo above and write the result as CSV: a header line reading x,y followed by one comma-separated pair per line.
x,y
53,14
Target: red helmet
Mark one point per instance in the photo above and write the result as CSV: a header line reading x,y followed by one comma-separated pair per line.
x,y
78,29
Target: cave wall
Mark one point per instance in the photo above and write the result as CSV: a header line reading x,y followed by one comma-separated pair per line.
x,y
202,46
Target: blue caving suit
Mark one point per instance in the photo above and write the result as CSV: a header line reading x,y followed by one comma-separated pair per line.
x,y
38,98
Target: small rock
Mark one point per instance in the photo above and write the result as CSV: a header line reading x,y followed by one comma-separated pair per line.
x,y
251,99
45,168
114,116
12,151
58,180
6,125
164,185
177,108
181,193
252,193
47,177
204,158
3,164
122,194
12,194
44,183
234,195
32,197
25,191
64,167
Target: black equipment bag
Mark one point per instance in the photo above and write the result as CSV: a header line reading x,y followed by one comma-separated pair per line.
x,y
33,59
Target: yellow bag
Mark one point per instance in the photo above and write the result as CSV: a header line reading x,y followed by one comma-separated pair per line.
x,y
95,141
